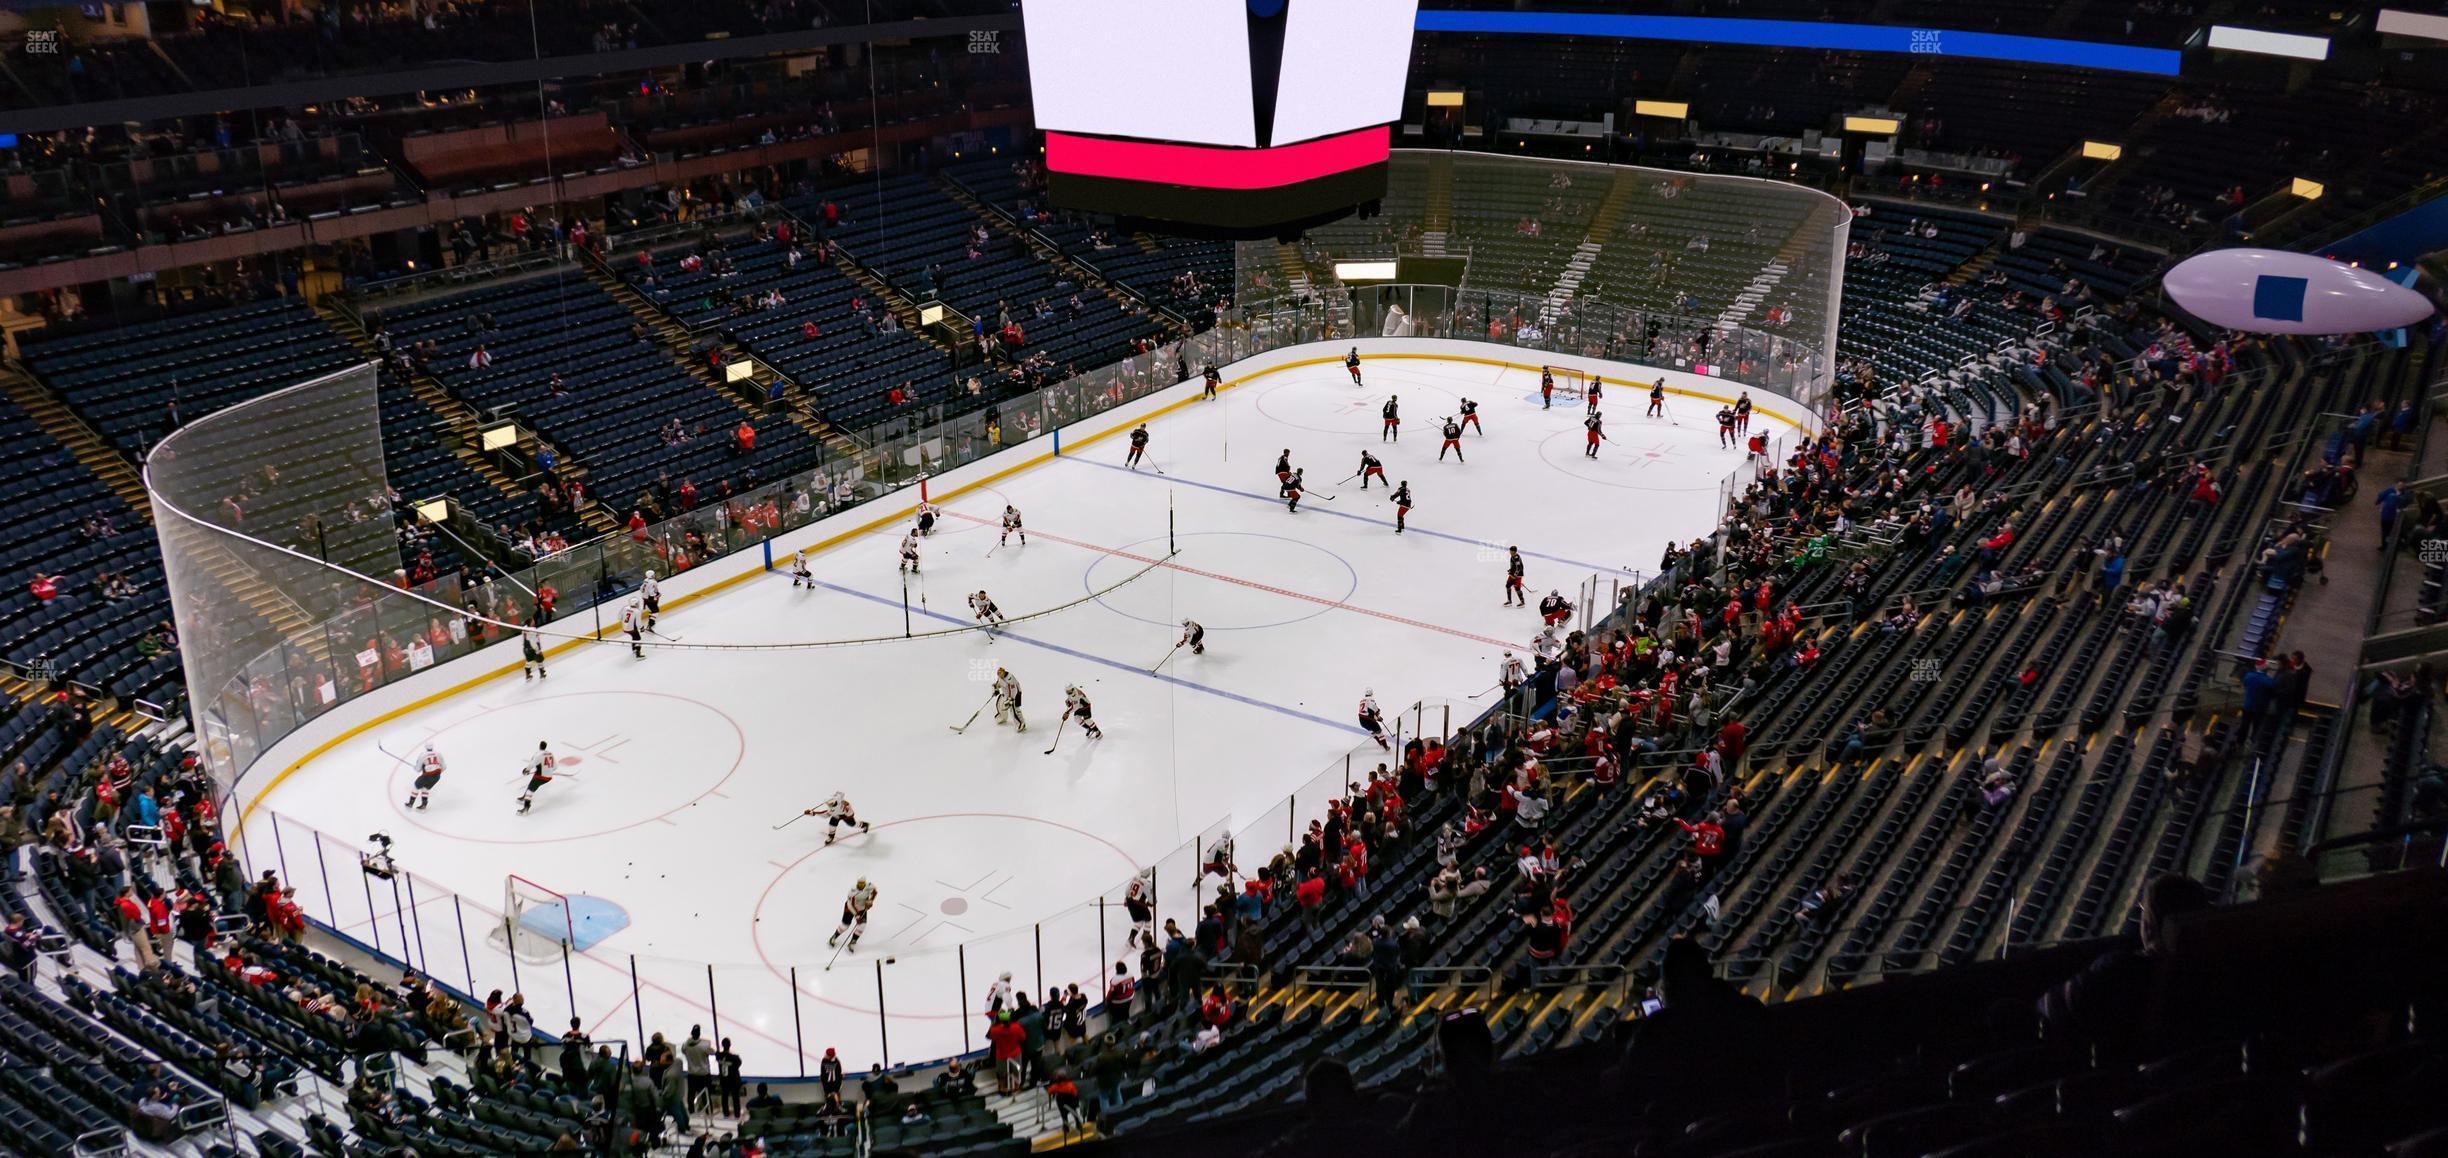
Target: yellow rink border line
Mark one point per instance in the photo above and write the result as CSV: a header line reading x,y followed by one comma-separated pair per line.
x,y
597,636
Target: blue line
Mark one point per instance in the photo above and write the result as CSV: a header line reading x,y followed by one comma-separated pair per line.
x,y
1117,665
1324,510
1814,34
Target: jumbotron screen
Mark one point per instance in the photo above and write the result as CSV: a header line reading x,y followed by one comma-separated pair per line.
x,y
1233,114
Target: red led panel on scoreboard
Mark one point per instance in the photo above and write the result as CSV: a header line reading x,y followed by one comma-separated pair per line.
x,y
1235,114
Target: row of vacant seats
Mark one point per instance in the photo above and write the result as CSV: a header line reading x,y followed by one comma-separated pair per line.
x,y
619,392
1784,91
922,245
1148,272
2027,111
134,384
2260,139
81,633
847,368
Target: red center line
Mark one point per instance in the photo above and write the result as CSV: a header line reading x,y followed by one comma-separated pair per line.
x,y
1303,596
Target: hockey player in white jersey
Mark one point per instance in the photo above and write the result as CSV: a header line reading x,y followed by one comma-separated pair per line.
x,y
1011,526
1007,699
1194,637
1076,706
539,772
633,621
909,552
837,812
800,574
854,914
428,773
988,615
1372,719
531,652
1139,900
1511,673
926,518
651,593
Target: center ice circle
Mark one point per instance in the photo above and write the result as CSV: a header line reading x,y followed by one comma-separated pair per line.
x,y
1215,580
618,773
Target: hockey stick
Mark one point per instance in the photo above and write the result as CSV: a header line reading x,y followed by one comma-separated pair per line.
x,y
837,952
1058,731
1489,688
1347,478
663,637
963,726
793,820
1159,663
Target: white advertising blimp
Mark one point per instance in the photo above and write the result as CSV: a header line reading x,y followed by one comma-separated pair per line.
x,y
2272,291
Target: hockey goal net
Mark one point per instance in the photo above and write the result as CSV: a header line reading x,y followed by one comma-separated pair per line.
x,y
1569,383
536,921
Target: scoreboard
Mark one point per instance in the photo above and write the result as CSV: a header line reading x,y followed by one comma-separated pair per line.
x,y
1232,116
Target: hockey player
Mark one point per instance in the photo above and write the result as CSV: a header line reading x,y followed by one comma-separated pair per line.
x,y
1139,901
1511,673
1554,609
531,652
1283,466
926,519
1742,412
1007,699
1514,595
1075,703
633,621
799,571
1470,417
1725,428
1293,485
1138,446
1595,424
988,615
1370,468
1759,448
1194,637
1402,505
1453,441
1392,413
1351,362
1372,720
651,592
1214,379
909,552
837,812
1597,387
539,773
1657,399
1011,526
428,774
1219,860
1546,388
1546,647
854,914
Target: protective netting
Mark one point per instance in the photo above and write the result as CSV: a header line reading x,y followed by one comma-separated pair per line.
x,y
276,527
1732,277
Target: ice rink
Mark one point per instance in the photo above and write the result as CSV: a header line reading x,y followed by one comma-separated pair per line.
x,y
990,854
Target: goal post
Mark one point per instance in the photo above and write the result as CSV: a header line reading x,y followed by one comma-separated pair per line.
x,y
1569,382
536,921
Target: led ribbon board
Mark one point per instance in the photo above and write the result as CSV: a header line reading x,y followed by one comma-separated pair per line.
x,y
1813,34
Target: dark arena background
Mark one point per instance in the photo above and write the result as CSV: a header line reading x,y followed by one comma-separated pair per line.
x,y
1221,577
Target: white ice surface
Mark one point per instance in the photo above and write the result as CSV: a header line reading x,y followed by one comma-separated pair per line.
x,y
685,761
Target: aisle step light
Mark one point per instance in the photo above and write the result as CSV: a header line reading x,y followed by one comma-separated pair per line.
x,y
2102,151
2307,189
1671,110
